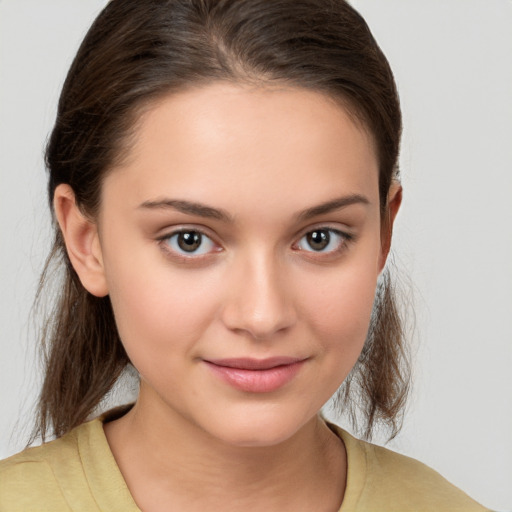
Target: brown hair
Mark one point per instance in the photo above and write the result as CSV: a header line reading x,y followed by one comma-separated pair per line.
x,y
136,52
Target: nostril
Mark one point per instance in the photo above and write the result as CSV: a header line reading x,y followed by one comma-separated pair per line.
x,y
259,327
260,319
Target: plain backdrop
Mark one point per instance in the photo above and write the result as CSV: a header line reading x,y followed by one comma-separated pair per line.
x,y
453,64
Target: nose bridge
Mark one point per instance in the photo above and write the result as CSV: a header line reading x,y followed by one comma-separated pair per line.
x,y
261,301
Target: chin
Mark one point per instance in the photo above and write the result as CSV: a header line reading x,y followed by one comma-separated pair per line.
x,y
258,432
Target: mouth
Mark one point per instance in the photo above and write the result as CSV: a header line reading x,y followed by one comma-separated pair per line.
x,y
256,375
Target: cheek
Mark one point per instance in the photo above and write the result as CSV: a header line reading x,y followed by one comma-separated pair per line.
x,y
339,307
159,312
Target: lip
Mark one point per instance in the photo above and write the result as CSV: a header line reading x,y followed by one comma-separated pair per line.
x,y
256,375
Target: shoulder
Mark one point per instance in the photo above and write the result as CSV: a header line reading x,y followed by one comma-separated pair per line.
x,y
383,480
76,472
41,478
66,445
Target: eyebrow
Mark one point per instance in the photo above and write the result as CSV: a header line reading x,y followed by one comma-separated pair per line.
x,y
202,210
189,207
332,205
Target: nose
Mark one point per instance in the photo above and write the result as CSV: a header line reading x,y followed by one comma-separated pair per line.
x,y
259,299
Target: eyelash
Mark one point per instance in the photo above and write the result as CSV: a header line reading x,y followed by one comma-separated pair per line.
x,y
343,240
164,242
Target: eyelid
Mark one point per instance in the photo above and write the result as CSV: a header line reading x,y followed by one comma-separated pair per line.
x,y
184,228
337,227
346,235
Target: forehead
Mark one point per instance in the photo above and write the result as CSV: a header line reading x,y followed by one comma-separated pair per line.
x,y
235,142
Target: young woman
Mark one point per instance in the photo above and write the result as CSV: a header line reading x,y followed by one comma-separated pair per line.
x,y
224,181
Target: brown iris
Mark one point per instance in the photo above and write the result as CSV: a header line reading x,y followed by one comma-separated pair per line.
x,y
189,241
318,239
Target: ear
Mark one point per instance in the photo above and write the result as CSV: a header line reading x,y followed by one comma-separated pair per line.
x,y
394,200
82,241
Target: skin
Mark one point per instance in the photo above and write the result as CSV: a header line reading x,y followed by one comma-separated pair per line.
x,y
256,288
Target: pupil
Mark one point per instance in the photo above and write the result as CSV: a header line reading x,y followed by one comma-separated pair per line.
x,y
189,241
318,240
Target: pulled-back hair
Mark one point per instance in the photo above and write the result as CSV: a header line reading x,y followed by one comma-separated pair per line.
x,y
135,53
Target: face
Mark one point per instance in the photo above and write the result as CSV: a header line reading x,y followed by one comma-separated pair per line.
x,y
241,245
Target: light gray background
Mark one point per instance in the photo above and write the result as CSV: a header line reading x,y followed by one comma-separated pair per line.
x,y
453,63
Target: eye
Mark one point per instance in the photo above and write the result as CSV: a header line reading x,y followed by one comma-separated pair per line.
x,y
189,242
323,240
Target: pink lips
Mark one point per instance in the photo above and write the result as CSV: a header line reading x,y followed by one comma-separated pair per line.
x,y
256,375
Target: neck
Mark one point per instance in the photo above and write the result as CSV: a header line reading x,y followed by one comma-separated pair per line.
x,y
166,459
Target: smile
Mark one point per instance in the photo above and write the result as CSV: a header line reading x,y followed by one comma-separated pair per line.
x,y
256,376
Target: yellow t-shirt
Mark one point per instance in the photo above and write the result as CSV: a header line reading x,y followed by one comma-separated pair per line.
x,y
79,473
